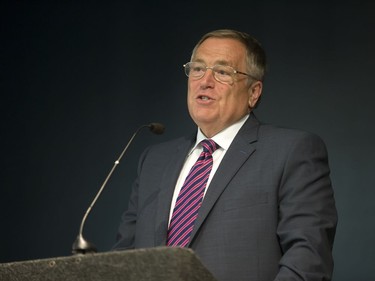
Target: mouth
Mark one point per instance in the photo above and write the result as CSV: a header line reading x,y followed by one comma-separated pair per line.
x,y
204,98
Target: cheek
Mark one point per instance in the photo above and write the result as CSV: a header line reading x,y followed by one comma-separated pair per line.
x,y
191,88
237,100
230,97
189,96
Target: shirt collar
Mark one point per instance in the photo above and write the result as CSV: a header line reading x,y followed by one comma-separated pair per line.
x,y
225,137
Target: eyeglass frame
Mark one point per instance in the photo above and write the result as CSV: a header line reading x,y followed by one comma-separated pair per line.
x,y
235,71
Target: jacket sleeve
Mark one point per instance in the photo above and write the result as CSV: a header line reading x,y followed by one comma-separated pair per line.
x,y
126,231
307,213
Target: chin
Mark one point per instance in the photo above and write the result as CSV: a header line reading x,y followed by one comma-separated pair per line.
x,y
204,119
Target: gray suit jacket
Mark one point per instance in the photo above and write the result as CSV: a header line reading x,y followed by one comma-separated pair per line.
x,y
268,214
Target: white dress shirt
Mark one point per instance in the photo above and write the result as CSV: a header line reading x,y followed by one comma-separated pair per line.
x,y
223,139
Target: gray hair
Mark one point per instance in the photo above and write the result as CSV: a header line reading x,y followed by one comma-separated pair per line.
x,y
256,57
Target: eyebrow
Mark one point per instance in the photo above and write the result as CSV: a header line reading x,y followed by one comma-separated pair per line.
x,y
221,62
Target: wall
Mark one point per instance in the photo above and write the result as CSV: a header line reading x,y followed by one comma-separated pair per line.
x,y
78,79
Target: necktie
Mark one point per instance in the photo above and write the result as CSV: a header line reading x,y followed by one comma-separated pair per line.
x,y
190,197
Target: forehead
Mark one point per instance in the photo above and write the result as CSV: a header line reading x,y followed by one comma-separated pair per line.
x,y
221,50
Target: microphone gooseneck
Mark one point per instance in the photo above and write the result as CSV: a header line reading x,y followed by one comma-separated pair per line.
x,y
81,245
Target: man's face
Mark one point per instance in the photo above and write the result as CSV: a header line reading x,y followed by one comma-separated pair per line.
x,y
214,105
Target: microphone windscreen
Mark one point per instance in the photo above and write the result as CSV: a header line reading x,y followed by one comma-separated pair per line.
x,y
157,128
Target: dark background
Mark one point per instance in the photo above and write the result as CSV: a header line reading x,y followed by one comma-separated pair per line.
x,y
79,77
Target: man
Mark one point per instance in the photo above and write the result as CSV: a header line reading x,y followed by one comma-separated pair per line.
x,y
267,210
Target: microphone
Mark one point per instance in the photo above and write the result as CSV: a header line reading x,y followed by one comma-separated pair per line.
x,y
81,245
156,128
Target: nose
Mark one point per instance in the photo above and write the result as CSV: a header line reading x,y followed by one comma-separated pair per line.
x,y
209,74
208,80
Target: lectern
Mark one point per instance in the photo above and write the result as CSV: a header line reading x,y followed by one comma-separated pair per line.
x,y
162,263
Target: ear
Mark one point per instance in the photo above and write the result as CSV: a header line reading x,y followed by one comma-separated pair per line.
x,y
255,92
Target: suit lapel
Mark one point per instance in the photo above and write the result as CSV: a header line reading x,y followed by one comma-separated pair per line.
x,y
167,187
240,150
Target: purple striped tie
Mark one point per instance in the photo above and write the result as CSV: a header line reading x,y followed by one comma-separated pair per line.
x,y
190,197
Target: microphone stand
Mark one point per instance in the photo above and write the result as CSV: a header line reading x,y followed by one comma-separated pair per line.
x,y
81,245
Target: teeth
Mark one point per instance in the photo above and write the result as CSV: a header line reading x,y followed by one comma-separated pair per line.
x,y
204,98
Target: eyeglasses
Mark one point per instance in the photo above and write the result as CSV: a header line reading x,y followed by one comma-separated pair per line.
x,y
222,73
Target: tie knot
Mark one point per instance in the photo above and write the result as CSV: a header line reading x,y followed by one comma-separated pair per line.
x,y
209,145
